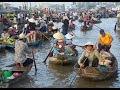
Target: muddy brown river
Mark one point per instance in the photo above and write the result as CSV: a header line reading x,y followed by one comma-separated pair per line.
x,y
54,76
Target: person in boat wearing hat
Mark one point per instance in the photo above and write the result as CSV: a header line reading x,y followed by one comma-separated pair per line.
x,y
32,34
65,25
49,32
43,27
69,46
90,56
59,44
21,50
104,41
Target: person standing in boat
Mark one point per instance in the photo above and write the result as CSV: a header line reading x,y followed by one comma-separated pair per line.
x,y
104,41
65,25
21,51
84,18
90,56
32,25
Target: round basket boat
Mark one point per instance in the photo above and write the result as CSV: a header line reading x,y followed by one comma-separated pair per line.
x,y
54,60
95,74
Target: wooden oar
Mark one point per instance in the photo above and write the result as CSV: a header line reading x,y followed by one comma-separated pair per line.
x,y
78,45
11,65
115,27
34,60
45,36
97,26
47,55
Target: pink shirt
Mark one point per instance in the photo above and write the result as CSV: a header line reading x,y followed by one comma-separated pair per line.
x,y
85,17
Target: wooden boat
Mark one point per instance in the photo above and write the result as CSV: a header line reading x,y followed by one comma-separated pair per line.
x,y
2,47
24,71
75,18
87,28
80,20
93,73
10,46
96,21
37,43
117,27
68,61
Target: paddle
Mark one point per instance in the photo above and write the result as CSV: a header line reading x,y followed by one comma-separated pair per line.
x,y
47,55
74,34
45,36
34,60
115,27
97,26
78,45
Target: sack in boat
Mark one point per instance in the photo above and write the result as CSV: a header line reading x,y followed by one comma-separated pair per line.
x,y
102,68
61,57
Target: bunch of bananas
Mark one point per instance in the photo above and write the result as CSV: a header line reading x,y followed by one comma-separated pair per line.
x,y
9,41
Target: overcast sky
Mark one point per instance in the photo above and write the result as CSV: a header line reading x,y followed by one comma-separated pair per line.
x,y
17,4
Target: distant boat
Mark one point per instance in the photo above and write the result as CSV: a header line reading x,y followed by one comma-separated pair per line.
x,y
37,43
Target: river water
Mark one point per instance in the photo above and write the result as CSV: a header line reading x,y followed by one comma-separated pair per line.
x,y
53,76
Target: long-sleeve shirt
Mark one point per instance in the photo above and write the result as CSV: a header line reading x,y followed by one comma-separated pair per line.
x,y
21,49
94,54
5,35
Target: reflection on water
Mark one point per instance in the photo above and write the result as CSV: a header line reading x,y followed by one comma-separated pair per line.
x,y
56,76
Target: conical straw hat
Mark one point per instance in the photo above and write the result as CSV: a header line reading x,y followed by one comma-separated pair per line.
x,y
88,43
65,17
69,36
58,35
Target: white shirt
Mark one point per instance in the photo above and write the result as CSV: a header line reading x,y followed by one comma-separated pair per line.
x,y
18,15
15,26
5,35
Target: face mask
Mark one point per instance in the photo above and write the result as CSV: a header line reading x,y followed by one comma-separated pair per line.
x,y
60,46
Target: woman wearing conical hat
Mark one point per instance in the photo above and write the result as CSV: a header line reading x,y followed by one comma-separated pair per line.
x,y
90,56
59,44
69,46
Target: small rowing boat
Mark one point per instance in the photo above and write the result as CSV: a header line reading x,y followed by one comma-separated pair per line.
x,y
94,73
23,71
